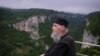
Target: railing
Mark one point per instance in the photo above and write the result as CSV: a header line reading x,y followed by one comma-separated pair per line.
x,y
87,44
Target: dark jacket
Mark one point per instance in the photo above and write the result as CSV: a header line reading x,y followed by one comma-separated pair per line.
x,y
65,47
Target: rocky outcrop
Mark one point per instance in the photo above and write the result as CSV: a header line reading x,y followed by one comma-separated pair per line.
x,y
88,37
31,25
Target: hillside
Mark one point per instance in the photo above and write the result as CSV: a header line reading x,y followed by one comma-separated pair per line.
x,y
14,42
94,23
92,35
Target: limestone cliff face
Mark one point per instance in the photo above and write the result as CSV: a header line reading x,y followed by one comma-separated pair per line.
x,y
31,25
88,37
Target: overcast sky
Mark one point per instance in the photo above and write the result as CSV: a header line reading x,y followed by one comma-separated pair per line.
x,y
74,6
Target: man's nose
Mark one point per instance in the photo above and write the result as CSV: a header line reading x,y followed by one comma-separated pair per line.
x,y
52,28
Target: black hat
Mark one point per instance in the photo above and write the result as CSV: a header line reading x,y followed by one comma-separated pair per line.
x,y
61,21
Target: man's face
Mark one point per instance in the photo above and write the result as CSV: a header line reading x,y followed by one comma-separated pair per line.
x,y
56,28
56,32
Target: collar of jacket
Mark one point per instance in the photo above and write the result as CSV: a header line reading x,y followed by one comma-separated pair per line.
x,y
64,35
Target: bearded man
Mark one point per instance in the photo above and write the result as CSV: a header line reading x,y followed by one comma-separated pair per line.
x,y
63,43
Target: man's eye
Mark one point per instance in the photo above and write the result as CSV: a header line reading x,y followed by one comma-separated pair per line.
x,y
55,25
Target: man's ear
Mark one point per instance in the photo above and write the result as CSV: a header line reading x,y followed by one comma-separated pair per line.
x,y
63,28
67,30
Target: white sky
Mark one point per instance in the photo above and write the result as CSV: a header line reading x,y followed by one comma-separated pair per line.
x,y
74,6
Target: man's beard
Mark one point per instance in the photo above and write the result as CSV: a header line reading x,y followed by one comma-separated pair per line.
x,y
56,37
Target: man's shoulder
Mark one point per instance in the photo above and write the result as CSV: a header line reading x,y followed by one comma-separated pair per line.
x,y
67,40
